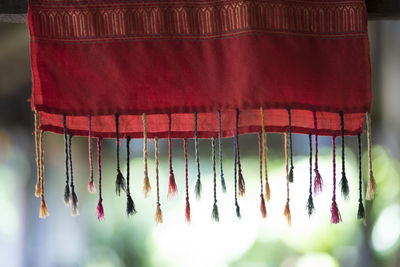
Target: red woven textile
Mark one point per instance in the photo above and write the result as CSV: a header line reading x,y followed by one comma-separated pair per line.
x,y
154,57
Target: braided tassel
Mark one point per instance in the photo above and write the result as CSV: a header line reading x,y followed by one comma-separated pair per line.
x,y
263,209
158,216
335,214
371,189
172,190
74,198
223,184
91,187
286,211
264,142
310,202
242,186
67,194
196,146
120,181
344,184
130,205
361,211
291,146
37,149
99,210
187,209
215,213
318,179
146,180
43,212
235,178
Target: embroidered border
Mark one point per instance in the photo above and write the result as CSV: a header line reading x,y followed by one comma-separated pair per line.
x,y
113,20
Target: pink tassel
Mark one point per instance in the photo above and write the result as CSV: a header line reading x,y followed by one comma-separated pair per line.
x,y
91,187
318,183
263,209
335,214
100,210
172,190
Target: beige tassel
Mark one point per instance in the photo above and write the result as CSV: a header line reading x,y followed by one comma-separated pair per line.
x,y
37,141
371,189
43,212
158,216
146,181
264,142
286,212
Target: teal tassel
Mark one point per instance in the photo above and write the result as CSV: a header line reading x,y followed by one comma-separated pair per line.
x,y
310,205
198,189
215,214
344,184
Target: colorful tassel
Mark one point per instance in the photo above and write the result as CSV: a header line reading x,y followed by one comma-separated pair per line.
x,y
310,202
74,198
235,177
196,146
43,212
172,190
242,186
187,209
146,180
37,148
286,211
318,183
264,142
344,184
158,216
91,187
371,189
361,211
335,214
263,209
223,184
290,146
67,194
120,181
130,205
99,210
214,214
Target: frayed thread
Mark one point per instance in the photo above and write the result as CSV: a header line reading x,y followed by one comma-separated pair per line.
x,y
335,213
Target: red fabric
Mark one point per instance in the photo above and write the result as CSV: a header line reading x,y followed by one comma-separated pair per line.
x,y
155,57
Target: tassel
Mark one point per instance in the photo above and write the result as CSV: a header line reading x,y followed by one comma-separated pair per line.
x,y
172,190
318,183
43,212
361,212
120,181
130,206
74,198
335,214
286,212
242,186
91,187
214,215
99,210
371,189
260,156
158,216
310,202
67,194
264,142
196,146
146,180
187,210
235,177
223,184
344,184
291,146
37,149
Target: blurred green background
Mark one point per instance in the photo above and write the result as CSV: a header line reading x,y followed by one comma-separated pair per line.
x,y
63,240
